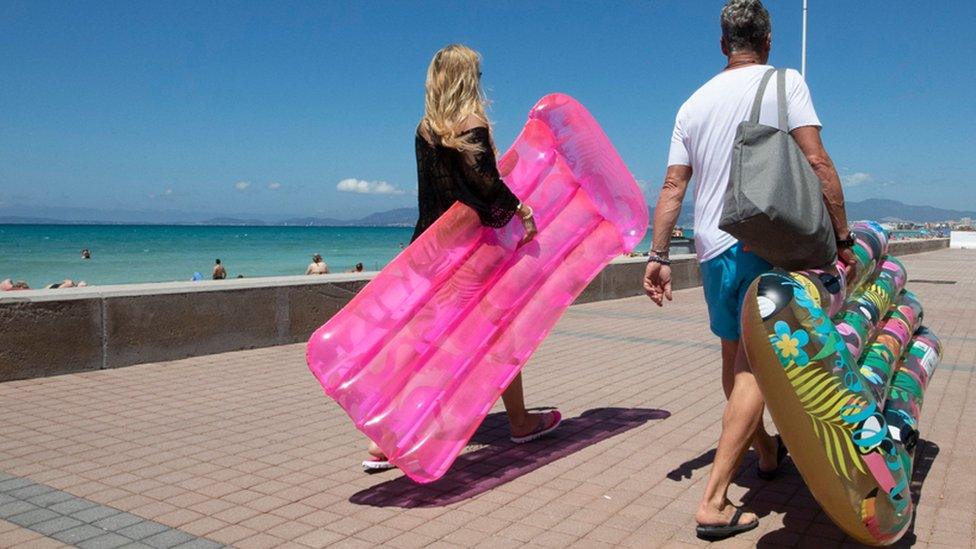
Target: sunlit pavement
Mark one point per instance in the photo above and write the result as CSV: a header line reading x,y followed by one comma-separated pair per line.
x,y
243,449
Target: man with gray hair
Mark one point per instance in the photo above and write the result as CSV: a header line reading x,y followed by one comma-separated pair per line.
x,y
701,144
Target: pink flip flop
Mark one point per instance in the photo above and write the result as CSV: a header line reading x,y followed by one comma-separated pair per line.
x,y
547,424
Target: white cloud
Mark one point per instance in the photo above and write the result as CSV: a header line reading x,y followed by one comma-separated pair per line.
x,y
242,185
644,186
856,178
360,186
168,191
274,185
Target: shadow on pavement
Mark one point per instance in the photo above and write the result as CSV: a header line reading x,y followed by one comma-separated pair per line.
x,y
685,470
925,454
503,461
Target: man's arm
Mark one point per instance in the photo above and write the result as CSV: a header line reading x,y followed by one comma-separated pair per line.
x,y
657,275
669,205
808,138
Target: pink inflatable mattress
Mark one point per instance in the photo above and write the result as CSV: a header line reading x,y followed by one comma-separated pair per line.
x,y
421,354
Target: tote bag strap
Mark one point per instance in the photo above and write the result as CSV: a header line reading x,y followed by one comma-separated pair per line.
x,y
781,99
757,102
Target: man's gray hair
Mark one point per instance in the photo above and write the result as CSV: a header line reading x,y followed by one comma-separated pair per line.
x,y
745,24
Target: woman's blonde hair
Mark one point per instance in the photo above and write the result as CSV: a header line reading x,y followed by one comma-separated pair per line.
x,y
453,93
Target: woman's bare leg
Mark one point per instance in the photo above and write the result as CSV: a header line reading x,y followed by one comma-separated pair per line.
x,y
375,451
522,422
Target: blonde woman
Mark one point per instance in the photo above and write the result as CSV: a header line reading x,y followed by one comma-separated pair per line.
x,y
456,162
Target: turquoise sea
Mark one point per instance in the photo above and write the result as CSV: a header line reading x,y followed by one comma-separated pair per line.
x,y
44,254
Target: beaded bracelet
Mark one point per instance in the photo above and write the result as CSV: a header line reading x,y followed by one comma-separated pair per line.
x,y
658,259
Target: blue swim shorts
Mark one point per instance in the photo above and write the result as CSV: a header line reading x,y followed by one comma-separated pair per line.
x,y
725,278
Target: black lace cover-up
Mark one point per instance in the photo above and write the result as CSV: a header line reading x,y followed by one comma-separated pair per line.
x,y
446,175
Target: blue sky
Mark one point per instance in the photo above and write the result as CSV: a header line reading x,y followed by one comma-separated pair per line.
x,y
262,109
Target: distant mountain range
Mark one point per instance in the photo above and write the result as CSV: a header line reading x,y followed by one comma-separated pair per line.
x,y
400,217
873,208
880,209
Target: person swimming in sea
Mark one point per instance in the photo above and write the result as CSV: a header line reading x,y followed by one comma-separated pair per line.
x,y
317,266
219,272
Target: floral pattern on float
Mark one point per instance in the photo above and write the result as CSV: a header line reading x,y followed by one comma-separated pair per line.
x,y
829,356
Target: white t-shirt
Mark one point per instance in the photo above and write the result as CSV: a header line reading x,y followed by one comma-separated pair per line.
x,y
704,131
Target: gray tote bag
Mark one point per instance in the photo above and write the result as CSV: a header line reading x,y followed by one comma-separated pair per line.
x,y
774,202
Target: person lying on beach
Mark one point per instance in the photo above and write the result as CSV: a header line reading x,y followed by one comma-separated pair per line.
x,y
317,266
7,285
67,283
456,162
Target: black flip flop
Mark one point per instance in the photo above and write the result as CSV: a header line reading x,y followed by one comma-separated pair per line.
x,y
715,532
781,452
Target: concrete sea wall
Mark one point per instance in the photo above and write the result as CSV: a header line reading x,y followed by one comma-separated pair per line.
x,y
48,332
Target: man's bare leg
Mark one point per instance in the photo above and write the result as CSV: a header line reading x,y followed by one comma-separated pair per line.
x,y
743,413
764,444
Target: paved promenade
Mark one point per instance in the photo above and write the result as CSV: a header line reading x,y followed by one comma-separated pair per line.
x,y
243,449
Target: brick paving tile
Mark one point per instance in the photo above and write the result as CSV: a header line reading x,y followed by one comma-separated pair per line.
x,y
141,530
105,541
203,526
410,540
231,533
167,539
179,517
12,534
290,530
234,515
116,521
40,543
32,517
72,506
55,525
262,523
199,544
435,529
78,534
378,533
320,538
250,453
259,541
319,518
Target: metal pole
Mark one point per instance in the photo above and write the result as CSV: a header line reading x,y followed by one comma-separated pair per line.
x,y
803,48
